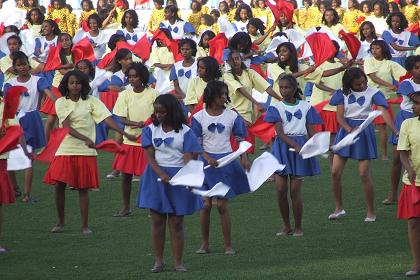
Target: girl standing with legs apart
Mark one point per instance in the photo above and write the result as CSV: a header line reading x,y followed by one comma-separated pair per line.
x,y
409,202
294,120
75,160
214,125
169,145
354,103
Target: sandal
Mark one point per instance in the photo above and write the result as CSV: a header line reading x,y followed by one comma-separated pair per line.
x,y
57,229
388,202
180,268
122,214
28,198
17,191
158,268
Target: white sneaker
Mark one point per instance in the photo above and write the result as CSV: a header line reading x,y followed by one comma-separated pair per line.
x,y
370,220
335,216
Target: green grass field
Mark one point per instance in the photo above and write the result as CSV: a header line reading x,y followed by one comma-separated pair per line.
x,y
120,248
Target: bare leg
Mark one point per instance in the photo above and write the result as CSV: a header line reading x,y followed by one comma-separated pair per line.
x,y
297,204
13,180
158,235
336,173
222,207
60,199
395,176
383,141
364,172
331,155
84,210
27,188
414,238
126,193
176,229
283,203
205,225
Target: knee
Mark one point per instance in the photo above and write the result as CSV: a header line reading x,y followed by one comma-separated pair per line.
x,y
365,176
207,205
295,194
177,224
336,174
282,193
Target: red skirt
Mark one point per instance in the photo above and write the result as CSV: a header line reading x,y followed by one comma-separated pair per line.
x,y
109,98
329,119
79,172
48,107
132,161
409,202
380,119
7,194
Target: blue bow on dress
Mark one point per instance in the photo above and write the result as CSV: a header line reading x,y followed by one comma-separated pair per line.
x,y
361,100
220,127
128,37
181,73
297,114
26,94
160,141
175,30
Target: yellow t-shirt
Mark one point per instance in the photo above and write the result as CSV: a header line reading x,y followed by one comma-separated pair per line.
x,y
248,80
349,20
85,15
161,55
195,90
205,10
313,17
417,51
82,116
195,19
335,28
302,16
409,140
201,52
334,82
58,76
62,16
265,15
155,19
135,106
412,13
340,11
386,70
6,62
36,29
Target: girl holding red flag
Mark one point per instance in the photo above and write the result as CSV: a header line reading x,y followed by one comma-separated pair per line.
x,y
87,10
134,106
75,160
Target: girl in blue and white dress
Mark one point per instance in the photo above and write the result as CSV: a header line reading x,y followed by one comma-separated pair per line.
x,y
178,28
97,37
129,24
169,145
294,120
29,119
213,126
242,16
406,88
185,70
399,40
354,103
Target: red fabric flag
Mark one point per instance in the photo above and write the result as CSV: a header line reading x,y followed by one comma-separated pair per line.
x,y
110,146
353,44
56,137
53,60
109,57
83,50
161,36
405,77
320,106
142,48
174,48
360,20
198,107
322,47
11,139
120,4
217,45
263,130
258,69
172,45
396,100
2,28
414,28
109,98
85,26
281,7
11,102
140,2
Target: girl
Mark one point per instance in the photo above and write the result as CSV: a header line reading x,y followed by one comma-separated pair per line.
x,y
366,8
382,72
241,81
214,126
95,35
208,69
134,106
378,18
411,11
195,16
60,13
224,10
178,28
169,144
350,17
302,14
203,45
185,70
354,103
75,160
87,10
367,36
336,5
294,120
156,17
49,36
215,14
129,24
206,23
400,41
263,13
408,206
30,4
406,88
331,19
204,8
87,68
256,31
29,119
313,16
242,16
35,18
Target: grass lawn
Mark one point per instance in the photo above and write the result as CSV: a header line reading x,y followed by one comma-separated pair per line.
x,y
120,248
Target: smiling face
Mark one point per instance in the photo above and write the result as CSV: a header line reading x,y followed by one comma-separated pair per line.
x,y
93,24
243,14
395,23
46,29
252,30
284,54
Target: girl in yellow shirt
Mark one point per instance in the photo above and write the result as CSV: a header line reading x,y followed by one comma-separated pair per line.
x,y
60,14
225,11
263,13
203,45
351,16
35,18
336,5
204,8
206,24
366,8
411,11
313,16
195,16
87,10
157,16
330,19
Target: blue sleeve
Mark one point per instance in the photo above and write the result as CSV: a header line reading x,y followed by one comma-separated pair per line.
x,y
312,117
272,115
308,89
162,25
146,137
115,81
152,79
196,127
235,27
1,80
387,37
239,128
257,60
191,144
6,87
405,88
379,99
337,98
414,40
226,53
188,28
37,47
2,54
120,32
172,75
42,85
104,86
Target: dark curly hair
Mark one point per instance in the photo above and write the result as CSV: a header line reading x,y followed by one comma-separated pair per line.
x,y
240,38
89,65
243,7
135,17
213,91
190,42
411,62
62,54
173,9
81,77
54,25
208,33
141,71
15,37
258,24
401,16
294,83
95,17
386,52
114,39
336,18
349,76
41,16
362,36
174,114
89,3
212,68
